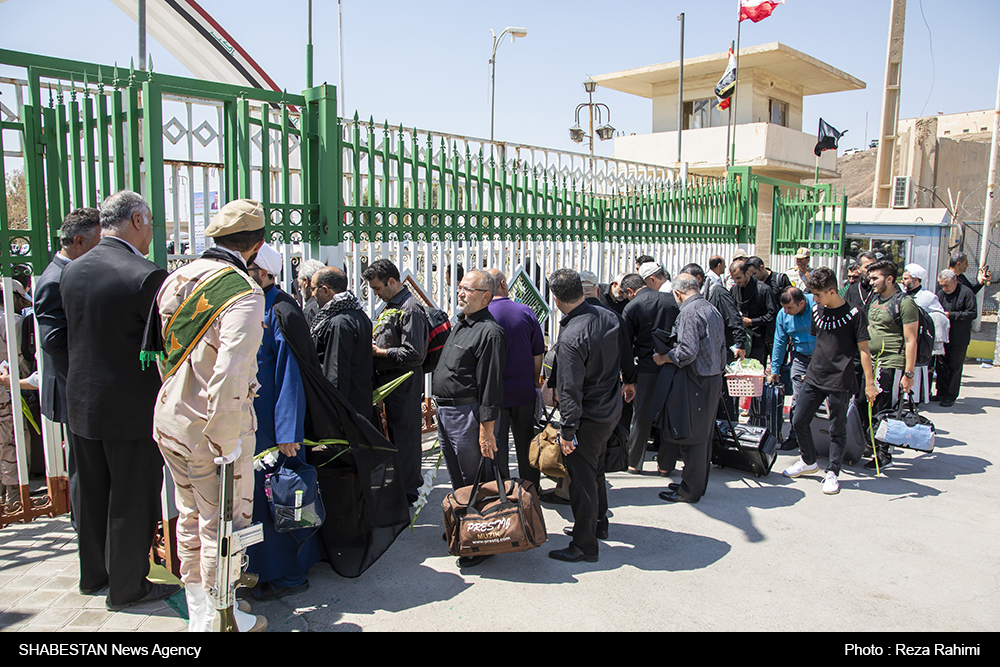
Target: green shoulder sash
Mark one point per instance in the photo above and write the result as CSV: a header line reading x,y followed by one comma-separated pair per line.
x,y
197,313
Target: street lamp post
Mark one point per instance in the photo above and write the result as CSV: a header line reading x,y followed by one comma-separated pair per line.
x,y
604,131
514,33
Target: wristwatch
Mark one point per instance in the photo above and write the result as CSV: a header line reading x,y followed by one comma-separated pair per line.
x,y
909,374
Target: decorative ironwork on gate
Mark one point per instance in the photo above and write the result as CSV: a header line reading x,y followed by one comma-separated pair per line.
x,y
813,217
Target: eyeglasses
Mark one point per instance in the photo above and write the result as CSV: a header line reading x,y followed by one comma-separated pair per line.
x,y
462,288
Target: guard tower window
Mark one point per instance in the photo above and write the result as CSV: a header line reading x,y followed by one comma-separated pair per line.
x,y
778,112
702,113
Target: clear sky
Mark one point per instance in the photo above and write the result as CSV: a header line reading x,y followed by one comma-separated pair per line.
x,y
425,64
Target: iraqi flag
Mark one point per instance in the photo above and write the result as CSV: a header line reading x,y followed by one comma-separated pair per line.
x,y
727,84
827,137
758,10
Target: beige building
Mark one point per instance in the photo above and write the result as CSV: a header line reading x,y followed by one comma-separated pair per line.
x,y
942,154
773,81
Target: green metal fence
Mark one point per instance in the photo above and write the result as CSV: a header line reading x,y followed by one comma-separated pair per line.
x,y
90,130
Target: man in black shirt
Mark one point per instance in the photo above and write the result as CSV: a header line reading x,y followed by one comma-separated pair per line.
x,y
959,305
646,312
841,332
778,282
468,385
859,293
612,296
590,402
959,263
399,346
757,306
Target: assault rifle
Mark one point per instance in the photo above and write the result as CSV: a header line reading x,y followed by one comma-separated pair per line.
x,y
229,564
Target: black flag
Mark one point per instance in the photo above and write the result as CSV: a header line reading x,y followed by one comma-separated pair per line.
x,y
827,138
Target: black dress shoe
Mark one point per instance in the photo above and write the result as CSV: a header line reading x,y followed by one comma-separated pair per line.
x,y
156,592
674,497
673,486
947,403
465,562
551,497
94,591
572,554
601,534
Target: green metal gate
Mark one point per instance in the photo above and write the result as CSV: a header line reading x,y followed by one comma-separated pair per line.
x,y
92,130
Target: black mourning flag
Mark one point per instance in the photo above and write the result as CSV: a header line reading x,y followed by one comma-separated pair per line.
x,y
827,137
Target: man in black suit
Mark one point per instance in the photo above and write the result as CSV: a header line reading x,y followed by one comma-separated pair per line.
x,y
647,311
107,295
80,232
757,308
959,303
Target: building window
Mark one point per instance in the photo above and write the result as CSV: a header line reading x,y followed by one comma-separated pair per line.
x,y
896,250
778,111
702,113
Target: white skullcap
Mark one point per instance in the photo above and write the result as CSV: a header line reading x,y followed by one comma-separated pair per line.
x,y
269,259
916,271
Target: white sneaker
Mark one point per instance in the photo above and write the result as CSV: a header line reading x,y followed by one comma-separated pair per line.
x,y
800,468
830,484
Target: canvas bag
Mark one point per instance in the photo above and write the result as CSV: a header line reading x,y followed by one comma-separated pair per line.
x,y
294,498
904,427
545,452
493,518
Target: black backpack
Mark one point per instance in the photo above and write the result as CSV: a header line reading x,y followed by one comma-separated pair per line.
x,y
925,328
438,330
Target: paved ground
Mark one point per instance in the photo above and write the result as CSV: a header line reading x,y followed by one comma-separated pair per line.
x,y
917,550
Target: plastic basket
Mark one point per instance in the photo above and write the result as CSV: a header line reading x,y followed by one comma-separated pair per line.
x,y
741,384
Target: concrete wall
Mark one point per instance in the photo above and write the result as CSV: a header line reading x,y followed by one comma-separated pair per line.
x,y
777,151
955,125
766,86
755,89
939,163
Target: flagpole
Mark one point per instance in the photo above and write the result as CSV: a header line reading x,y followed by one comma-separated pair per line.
x,y
680,93
736,90
729,120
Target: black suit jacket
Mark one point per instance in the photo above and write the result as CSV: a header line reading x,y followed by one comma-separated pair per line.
x,y
648,311
52,339
107,295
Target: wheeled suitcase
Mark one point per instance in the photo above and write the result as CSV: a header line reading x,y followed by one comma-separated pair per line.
x,y
821,433
768,409
743,447
858,441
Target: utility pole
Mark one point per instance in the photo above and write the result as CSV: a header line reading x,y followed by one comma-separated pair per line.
x,y
882,190
680,93
142,35
340,59
984,248
309,49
